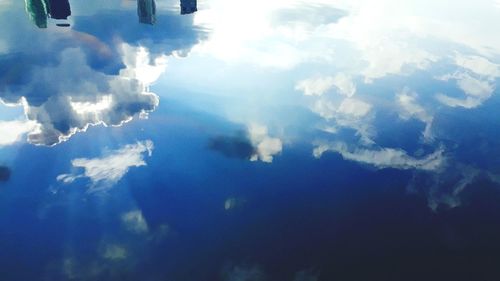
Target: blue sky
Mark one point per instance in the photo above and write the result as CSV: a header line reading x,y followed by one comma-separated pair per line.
x,y
162,148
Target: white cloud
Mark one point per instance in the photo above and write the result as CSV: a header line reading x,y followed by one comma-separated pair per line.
x,y
476,90
275,36
411,109
354,107
445,187
351,113
315,86
384,157
321,85
325,108
134,221
478,65
344,84
266,146
63,107
347,112
108,170
12,131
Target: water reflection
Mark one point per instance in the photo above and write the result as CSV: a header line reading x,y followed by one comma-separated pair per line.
x,y
40,10
311,120
59,9
146,9
188,7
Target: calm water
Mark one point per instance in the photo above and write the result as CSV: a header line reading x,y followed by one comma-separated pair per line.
x,y
223,140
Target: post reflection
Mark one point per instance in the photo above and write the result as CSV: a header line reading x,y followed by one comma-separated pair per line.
x,y
146,10
188,7
40,10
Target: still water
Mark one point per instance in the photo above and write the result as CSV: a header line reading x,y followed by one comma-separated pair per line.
x,y
232,140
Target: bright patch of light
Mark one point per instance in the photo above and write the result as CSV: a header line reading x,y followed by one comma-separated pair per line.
x,y
93,108
12,131
139,66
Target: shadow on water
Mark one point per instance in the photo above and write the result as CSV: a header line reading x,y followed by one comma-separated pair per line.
x,y
4,173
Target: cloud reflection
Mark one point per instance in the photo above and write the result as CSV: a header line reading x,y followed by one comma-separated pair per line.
x,y
86,76
105,171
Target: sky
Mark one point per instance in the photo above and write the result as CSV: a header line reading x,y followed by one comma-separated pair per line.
x,y
251,141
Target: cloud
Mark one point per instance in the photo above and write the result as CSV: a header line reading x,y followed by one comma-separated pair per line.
x,y
476,90
444,188
4,173
277,36
232,203
384,157
409,108
171,35
61,108
108,170
476,80
238,146
266,147
321,85
90,74
478,65
134,222
315,86
115,252
342,109
354,107
12,131
254,145
310,15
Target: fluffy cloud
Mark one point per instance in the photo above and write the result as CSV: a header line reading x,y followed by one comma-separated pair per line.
x,y
134,222
60,108
90,74
277,36
108,170
478,65
340,109
266,146
476,80
321,85
354,107
384,157
12,131
476,91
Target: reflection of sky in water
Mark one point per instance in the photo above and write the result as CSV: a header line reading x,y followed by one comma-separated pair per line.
x,y
257,140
